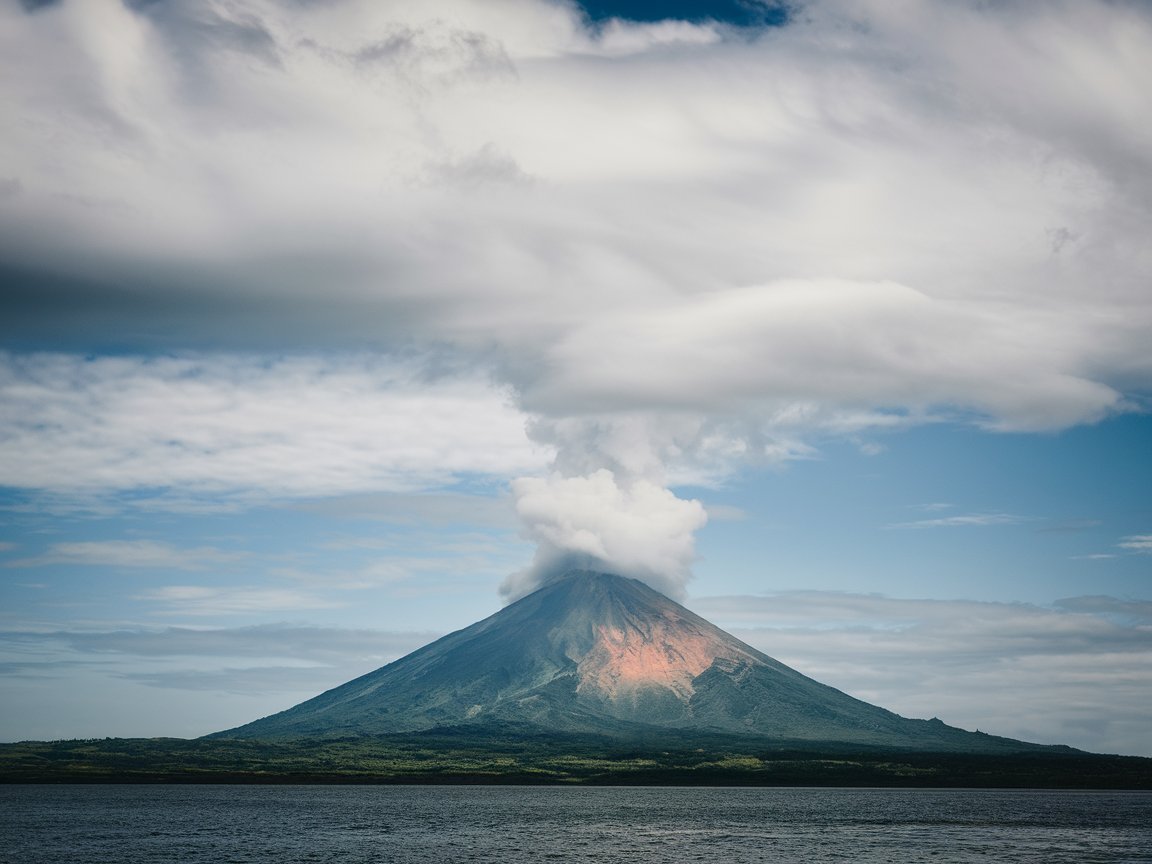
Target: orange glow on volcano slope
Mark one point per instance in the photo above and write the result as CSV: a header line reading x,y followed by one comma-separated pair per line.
x,y
667,652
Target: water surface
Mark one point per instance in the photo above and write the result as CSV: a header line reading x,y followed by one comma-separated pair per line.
x,y
510,825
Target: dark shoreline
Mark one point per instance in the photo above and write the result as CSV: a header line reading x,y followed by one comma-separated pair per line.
x,y
555,760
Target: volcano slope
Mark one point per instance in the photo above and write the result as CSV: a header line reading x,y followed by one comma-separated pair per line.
x,y
596,653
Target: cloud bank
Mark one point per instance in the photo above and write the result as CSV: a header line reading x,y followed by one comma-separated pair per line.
x,y
231,428
732,240
1030,672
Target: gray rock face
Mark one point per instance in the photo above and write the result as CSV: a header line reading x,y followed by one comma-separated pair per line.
x,y
598,653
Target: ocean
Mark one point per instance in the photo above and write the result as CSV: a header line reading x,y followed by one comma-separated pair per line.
x,y
112,824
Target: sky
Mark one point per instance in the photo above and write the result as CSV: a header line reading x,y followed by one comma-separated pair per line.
x,y
329,328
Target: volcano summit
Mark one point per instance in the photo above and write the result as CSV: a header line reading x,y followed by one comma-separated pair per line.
x,y
598,653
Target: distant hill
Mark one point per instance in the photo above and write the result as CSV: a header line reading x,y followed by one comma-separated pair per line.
x,y
596,653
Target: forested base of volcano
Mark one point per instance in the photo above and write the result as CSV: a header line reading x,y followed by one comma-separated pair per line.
x,y
450,756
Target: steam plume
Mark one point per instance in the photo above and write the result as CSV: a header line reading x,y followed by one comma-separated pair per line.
x,y
629,526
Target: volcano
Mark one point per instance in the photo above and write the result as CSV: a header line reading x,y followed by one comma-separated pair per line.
x,y
599,653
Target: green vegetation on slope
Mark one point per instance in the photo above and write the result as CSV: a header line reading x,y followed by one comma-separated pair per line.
x,y
447,757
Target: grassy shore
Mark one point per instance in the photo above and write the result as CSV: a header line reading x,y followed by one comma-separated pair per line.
x,y
525,759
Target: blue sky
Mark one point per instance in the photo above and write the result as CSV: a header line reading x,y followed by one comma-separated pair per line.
x,y
741,13
327,330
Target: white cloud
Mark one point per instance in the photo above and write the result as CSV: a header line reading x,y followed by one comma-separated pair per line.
x,y
1137,543
227,425
963,521
632,527
725,513
619,38
238,600
126,553
853,212
1015,669
854,344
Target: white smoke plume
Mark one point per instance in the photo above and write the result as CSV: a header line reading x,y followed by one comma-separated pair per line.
x,y
606,504
633,527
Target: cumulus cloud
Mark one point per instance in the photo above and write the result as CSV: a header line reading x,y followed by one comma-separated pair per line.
x,y
1016,669
879,207
741,239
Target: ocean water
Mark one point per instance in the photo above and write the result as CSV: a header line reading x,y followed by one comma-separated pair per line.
x,y
508,825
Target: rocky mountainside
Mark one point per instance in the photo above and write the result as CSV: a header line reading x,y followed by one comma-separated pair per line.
x,y
599,653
